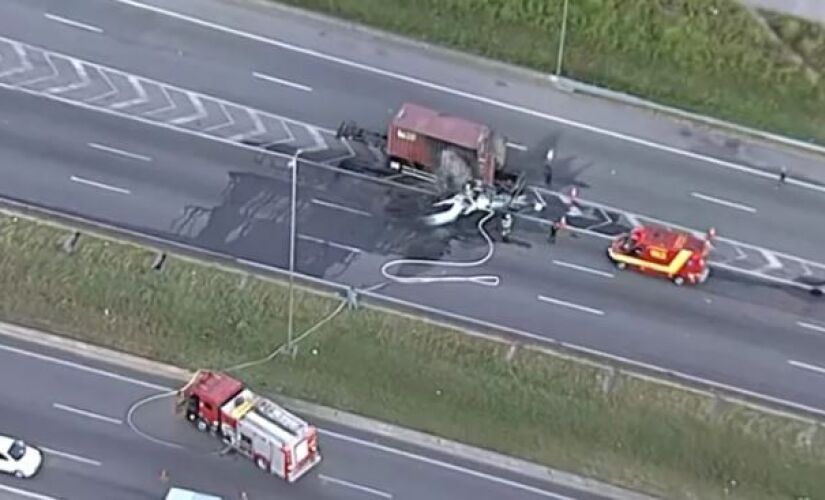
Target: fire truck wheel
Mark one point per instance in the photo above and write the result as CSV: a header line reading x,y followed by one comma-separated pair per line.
x,y
678,280
19,474
261,463
620,265
201,425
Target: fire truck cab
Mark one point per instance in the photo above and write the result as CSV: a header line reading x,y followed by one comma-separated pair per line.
x,y
678,255
277,441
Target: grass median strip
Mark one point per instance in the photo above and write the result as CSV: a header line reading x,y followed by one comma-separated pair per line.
x,y
545,408
707,56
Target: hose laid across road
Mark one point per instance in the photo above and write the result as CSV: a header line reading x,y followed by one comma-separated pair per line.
x,y
485,280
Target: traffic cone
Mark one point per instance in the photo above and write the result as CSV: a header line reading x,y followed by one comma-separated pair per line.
x,y
164,476
711,234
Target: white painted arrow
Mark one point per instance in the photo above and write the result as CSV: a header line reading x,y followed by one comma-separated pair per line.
x,y
320,143
603,214
112,88
170,104
259,127
740,254
142,96
200,111
52,73
773,261
290,137
227,118
83,81
25,65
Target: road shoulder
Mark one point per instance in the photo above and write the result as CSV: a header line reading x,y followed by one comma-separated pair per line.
x,y
497,84
346,419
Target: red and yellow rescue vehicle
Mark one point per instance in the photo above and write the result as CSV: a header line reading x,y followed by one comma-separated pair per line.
x,y
277,441
678,255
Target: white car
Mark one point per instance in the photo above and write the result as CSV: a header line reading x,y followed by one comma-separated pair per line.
x,y
183,494
18,458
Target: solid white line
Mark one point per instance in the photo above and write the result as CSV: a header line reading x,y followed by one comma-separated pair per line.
x,y
726,203
75,24
25,493
460,93
320,241
71,456
99,185
445,465
355,486
811,326
667,372
120,152
516,145
81,367
87,413
342,437
585,269
571,305
806,366
343,208
281,81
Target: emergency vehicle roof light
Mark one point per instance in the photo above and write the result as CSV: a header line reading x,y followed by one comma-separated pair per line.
x,y
243,407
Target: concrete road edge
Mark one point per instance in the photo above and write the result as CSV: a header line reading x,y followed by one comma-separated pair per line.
x,y
368,425
563,84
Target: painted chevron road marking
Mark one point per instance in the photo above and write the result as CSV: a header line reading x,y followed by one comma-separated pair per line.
x,y
61,77
606,222
48,73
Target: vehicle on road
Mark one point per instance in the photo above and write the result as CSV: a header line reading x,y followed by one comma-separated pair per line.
x,y
19,458
475,197
447,149
657,250
278,441
465,160
184,494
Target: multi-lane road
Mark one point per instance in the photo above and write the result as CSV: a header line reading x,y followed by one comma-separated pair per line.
x,y
146,115
84,413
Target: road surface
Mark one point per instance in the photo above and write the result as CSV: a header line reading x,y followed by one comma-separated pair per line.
x,y
172,170
813,10
78,410
662,184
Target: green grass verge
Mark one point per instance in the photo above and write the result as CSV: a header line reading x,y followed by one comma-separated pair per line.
x,y
706,56
541,407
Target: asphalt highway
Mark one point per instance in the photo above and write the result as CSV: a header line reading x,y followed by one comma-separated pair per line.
x,y
76,410
221,199
663,185
210,194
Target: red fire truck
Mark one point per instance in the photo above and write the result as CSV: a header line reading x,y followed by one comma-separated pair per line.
x,y
678,255
277,441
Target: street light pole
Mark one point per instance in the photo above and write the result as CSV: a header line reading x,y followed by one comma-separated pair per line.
x,y
562,37
292,233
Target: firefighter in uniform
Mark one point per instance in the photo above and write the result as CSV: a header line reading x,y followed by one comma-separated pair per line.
x,y
548,166
506,227
554,230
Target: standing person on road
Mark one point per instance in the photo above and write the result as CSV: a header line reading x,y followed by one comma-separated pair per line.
x,y
506,227
783,175
554,229
548,166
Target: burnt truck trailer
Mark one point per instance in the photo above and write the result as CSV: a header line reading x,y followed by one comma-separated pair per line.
x,y
446,149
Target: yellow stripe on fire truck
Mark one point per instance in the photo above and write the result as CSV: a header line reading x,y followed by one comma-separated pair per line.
x,y
670,269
